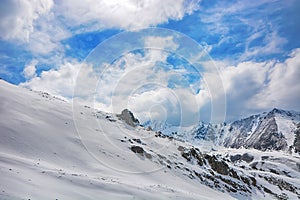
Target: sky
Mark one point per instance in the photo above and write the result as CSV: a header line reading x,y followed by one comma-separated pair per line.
x,y
174,61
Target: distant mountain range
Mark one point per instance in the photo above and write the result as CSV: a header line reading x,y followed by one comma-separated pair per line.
x,y
275,130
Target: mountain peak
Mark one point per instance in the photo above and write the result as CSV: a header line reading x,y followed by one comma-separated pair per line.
x,y
278,111
127,116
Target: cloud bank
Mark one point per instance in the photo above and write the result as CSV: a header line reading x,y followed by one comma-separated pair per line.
x,y
253,44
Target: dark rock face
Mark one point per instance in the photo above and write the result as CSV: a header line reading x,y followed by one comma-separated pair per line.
x,y
235,158
266,137
128,117
137,149
217,165
297,139
281,184
247,157
229,175
192,153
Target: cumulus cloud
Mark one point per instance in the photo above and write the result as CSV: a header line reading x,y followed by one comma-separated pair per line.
x,y
241,83
34,25
30,70
60,82
160,104
146,83
128,15
134,81
39,27
282,87
131,73
252,87
18,17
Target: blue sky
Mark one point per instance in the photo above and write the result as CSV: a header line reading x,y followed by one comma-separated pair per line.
x,y
253,44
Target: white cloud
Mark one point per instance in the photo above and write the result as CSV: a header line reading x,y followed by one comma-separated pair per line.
x,y
175,106
18,17
140,82
30,70
273,44
227,18
34,25
132,82
131,72
252,87
60,82
41,25
158,104
115,83
127,14
161,42
282,89
241,83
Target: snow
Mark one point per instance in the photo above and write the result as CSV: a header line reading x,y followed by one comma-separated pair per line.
x,y
51,149
287,128
49,153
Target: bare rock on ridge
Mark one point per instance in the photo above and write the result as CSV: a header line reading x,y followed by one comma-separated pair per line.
x,y
128,117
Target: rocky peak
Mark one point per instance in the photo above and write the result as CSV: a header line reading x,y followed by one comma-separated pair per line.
x,y
128,117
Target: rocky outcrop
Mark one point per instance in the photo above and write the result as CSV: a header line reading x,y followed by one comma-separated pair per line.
x,y
140,151
128,117
218,166
297,139
245,157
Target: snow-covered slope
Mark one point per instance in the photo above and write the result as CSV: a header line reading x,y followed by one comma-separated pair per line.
x,y
49,150
43,157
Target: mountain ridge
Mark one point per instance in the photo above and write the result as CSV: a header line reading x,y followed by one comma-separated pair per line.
x,y
273,130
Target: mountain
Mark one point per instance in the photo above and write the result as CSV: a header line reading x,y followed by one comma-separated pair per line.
x,y
51,149
274,130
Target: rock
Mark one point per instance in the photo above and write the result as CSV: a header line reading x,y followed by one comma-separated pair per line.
x,y
297,139
190,154
137,149
127,116
247,157
181,148
265,157
218,166
137,140
235,158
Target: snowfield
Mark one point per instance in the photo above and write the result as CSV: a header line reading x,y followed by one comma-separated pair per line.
x,y
43,157
51,149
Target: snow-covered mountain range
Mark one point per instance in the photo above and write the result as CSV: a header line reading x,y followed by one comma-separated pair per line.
x,y
274,130
48,150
